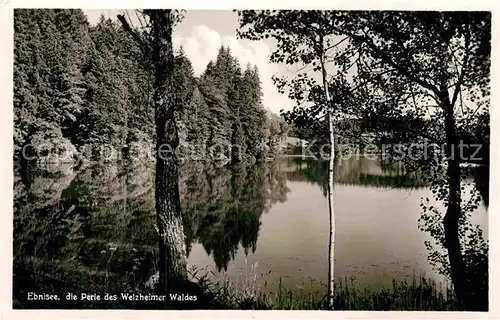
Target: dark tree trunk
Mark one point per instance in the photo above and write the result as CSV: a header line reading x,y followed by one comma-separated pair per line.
x,y
173,262
453,212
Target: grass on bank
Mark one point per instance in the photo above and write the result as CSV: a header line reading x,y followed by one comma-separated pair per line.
x,y
418,294
244,293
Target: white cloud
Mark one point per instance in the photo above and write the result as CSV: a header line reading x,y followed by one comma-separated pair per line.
x,y
202,46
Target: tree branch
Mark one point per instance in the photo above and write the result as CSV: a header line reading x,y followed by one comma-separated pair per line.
x,y
333,46
132,32
389,60
462,73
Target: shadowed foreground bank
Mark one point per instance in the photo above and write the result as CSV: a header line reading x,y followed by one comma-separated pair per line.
x,y
417,294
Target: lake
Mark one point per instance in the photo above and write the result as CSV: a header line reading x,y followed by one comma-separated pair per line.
x,y
95,228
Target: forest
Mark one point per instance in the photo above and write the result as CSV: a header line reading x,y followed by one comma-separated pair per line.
x,y
80,87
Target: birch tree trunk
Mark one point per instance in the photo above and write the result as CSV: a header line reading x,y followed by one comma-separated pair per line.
x,y
331,246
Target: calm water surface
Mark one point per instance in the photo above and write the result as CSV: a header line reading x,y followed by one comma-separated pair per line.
x,y
95,227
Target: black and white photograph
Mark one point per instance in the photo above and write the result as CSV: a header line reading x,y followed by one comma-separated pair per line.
x,y
251,159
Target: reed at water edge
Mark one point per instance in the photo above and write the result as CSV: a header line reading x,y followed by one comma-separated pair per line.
x,y
417,294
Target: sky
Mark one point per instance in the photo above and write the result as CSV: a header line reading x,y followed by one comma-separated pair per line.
x,y
201,34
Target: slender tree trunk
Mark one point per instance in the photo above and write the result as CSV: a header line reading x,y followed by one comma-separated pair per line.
x,y
331,273
453,212
331,246
173,261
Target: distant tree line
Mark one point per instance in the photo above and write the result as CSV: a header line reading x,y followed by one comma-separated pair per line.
x,y
83,86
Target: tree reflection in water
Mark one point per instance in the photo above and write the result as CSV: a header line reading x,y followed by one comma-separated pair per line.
x,y
95,228
222,206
